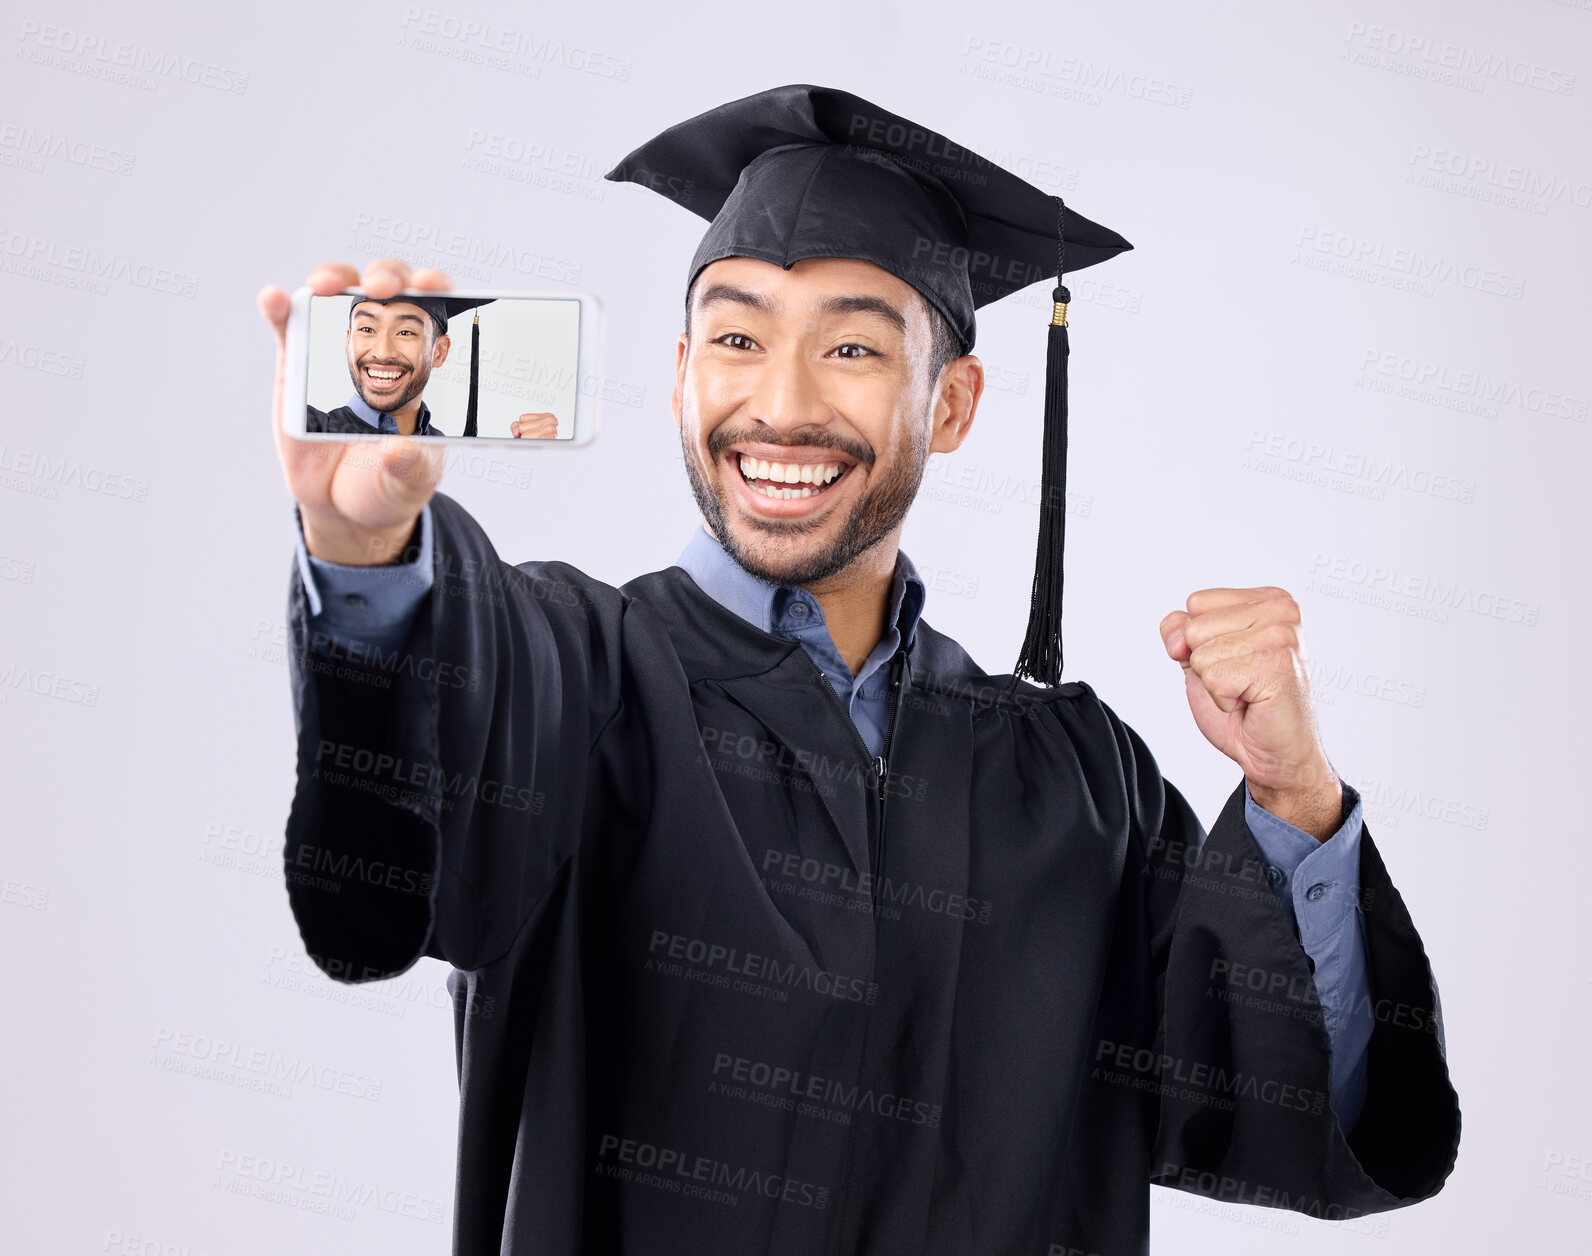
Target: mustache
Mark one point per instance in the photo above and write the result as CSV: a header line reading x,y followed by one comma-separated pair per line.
x,y
722,438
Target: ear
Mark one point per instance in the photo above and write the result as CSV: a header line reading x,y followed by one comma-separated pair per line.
x,y
680,349
956,397
439,351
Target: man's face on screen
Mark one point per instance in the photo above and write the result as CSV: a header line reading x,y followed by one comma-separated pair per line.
x,y
392,350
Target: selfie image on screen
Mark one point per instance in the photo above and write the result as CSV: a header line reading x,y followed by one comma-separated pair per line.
x,y
440,365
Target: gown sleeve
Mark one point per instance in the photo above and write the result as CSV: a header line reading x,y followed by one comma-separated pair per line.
x,y
441,783
1242,1062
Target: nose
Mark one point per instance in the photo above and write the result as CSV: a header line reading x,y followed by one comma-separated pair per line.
x,y
387,345
786,395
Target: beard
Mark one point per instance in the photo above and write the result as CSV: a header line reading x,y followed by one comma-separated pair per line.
x,y
418,378
876,514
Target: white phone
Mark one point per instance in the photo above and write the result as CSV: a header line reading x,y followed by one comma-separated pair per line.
x,y
521,368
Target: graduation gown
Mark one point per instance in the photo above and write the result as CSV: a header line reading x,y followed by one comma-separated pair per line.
x,y
721,987
343,419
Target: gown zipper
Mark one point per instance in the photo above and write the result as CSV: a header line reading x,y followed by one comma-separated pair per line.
x,y
878,766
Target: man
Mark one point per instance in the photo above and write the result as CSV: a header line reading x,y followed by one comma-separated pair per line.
x,y
391,348
777,924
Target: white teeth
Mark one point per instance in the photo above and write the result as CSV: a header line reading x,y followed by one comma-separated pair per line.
x,y
774,473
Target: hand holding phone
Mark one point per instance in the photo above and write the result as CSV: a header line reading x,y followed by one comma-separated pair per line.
x,y
358,501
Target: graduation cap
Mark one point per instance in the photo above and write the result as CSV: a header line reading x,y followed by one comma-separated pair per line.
x,y
441,309
803,171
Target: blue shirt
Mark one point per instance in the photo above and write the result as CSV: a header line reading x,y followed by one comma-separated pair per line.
x,y
381,419
1316,883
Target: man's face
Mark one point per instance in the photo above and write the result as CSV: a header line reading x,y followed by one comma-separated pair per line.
x,y
805,412
392,350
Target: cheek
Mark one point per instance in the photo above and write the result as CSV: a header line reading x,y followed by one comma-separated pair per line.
x,y
713,393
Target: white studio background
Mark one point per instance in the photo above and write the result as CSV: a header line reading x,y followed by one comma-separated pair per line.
x,y
530,352
1347,357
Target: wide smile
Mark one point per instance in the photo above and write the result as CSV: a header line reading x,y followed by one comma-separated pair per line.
x,y
383,378
799,482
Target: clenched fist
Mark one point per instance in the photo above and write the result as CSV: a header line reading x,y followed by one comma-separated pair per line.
x,y
1246,675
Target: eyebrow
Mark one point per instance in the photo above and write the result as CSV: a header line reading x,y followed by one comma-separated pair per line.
x,y
371,314
854,304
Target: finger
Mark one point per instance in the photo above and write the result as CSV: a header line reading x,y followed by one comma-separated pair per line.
x,y
411,469
1253,665
1224,682
274,305
385,277
1239,617
1210,599
330,278
1173,636
429,279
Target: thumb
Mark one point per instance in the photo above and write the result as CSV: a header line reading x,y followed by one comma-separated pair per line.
x,y
411,469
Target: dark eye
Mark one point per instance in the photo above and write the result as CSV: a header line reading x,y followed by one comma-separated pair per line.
x,y
862,351
735,335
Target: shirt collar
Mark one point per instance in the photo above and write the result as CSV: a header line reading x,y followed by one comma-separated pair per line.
x,y
370,415
759,602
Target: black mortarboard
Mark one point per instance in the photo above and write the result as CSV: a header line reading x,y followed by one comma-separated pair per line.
x,y
803,171
442,309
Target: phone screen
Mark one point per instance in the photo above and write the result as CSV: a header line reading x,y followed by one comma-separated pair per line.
x,y
500,367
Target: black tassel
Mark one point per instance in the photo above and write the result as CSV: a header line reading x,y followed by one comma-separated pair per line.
x,y
475,383
1041,657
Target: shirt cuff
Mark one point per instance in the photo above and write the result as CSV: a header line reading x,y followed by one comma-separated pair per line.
x,y
1318,886
371,606
1315,882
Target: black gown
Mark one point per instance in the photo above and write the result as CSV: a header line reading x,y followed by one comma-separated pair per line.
x,y
343,419
717,990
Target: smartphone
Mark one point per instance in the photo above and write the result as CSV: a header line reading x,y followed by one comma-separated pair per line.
x,y
522,368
